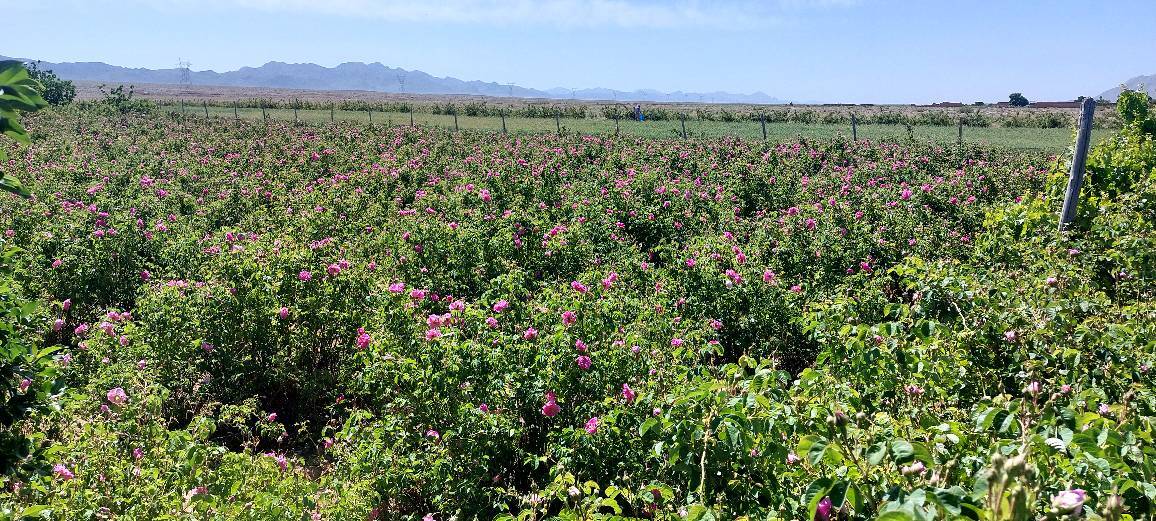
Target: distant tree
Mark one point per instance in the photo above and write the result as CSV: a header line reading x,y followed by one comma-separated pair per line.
x,y
1017,99
979,103
122,100
55,90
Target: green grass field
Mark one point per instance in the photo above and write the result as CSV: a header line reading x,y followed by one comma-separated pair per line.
x,y
1055,139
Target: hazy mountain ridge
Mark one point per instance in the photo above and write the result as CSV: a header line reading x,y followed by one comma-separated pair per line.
x,y
1148,82
372,77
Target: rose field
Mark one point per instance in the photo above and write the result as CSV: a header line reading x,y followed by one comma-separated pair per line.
x,y
217,319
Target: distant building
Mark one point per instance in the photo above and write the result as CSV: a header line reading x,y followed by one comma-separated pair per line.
x,y
947,104
1046,104
1056,104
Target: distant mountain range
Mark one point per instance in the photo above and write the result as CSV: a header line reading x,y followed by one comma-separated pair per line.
x,y
371,77
1147,82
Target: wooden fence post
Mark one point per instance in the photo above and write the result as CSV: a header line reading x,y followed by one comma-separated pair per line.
x,y
455,120
294,110
264,116
682,118
370,116
236,115
182,106
854,128
558,121
206,105
503,114
411,117
1076,177
332,108
763,121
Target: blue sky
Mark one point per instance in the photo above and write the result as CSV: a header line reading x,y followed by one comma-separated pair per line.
x,y
862,51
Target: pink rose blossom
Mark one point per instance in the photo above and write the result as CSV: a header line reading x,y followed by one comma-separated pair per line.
x,y
551,408
62,473
117,396
628,394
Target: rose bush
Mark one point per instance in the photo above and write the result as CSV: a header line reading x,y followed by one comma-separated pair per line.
x,y
400,323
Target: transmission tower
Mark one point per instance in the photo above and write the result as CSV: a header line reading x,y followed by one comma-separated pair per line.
x,y
401,81
183,66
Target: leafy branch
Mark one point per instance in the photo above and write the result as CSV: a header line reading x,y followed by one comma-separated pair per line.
x,y
18,93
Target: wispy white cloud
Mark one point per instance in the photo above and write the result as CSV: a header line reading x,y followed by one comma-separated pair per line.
x,y
739,14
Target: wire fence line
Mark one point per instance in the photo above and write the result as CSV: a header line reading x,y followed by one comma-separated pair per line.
x,y
1052,139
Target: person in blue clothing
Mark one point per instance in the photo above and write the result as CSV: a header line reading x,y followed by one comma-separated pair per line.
x,y
638,113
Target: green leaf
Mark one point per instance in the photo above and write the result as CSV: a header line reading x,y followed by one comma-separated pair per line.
x,y
11,127
924,329
34,511
838,493
876,453
902,450
1086,441
699,513
13,185
949,499
1057,444
814,447
22,97
12,71
921,453
855,498
1149,490
894,515
647,425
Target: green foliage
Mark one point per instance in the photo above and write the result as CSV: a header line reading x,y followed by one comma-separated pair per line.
x,y
19,93
119,100
1134,107
55,91
1017,99
27,370
393,322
